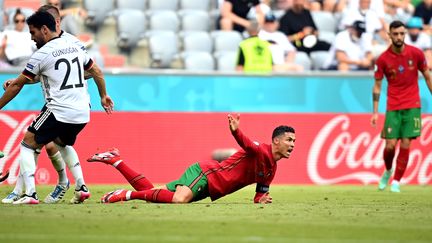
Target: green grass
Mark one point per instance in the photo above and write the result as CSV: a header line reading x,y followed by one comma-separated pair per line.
x,y
298,214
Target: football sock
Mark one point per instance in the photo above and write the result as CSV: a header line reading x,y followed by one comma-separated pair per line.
x,y
19,185
388,158
70,157
59,166
137,181
156,195
401,163
28,167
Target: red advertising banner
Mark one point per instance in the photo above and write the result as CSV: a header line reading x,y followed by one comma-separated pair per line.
x,y
330,148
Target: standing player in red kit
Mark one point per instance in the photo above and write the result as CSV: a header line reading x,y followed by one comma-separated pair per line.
x,y
254,163
399,64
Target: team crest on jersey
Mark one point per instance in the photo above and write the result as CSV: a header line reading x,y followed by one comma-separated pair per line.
x,y
29,66
401,69
410,62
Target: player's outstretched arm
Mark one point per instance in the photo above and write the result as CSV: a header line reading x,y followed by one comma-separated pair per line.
x,y
263,198
427,78
13,89
106,101
234,122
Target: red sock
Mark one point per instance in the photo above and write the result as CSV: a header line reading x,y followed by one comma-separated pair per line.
x,y
401,163
137,181
155,195
388,158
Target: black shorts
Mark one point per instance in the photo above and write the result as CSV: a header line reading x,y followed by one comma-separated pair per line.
x,y
46,129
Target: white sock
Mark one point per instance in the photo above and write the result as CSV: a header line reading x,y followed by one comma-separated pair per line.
x,y
59,166
28,168
19,185
395,182
70,157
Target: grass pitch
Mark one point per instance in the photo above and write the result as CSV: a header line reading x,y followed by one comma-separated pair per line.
x,y
298,214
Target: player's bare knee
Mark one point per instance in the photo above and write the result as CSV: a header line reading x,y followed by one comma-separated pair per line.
x,y
183,194
51,148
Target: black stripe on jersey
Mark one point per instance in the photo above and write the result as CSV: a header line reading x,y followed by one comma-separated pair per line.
x,y
88,65
28,74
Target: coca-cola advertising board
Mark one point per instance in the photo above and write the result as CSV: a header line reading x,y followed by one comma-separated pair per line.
x,y
330,148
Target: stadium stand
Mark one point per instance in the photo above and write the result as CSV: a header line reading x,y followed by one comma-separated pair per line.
x,y
163,5
203,5
198,61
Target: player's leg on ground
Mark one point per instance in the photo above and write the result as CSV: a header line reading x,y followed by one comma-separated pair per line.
x,y
63,183
388,155
28,155
16,192
401,163
112,157
70,157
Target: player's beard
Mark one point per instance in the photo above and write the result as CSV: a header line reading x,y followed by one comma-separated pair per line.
x,y
398,43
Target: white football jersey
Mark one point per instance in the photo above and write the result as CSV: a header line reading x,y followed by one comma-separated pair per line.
x,y
72,39
61,64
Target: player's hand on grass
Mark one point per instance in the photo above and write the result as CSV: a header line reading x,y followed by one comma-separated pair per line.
x,y
266,198
107,104
374,119
233,122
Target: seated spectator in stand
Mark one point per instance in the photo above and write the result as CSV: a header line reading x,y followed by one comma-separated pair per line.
x,y
16,44
416,37
234,14
351,50
283,52
375,24
69,22
265,9
424,11
297,24
254,55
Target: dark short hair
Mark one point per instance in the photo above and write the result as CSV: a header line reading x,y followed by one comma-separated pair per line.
x,y
40,18
47,7
281,130
396,24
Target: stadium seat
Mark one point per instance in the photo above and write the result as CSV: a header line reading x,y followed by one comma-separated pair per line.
x,y
164,20
163,46
198,61
226,60
303,59
195,5
318,59
132,4
197,41
226,40
327,36
194,20
163,5
325,21
97,11
129,34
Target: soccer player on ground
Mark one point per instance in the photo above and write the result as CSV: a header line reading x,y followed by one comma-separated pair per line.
x,y
60,64
399,64
254,163
53,153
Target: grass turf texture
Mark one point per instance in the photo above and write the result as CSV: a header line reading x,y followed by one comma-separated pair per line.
x,y
298,214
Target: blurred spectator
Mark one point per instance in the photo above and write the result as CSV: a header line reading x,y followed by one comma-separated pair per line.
x,y
265,9
375,25
254,55
424,11
234,14
283,52
297,24
351,50
16,44
69,22
418,38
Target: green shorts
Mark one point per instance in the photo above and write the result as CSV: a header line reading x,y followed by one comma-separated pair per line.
x,y
195,179
402,124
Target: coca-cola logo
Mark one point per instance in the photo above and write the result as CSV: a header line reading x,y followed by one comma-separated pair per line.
x,y
11,147
338,154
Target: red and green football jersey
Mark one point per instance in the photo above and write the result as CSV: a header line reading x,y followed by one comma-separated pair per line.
x,y
254,163
401,72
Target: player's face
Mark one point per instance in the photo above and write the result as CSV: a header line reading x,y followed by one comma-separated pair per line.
x,y
397,36
37,36
286,144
